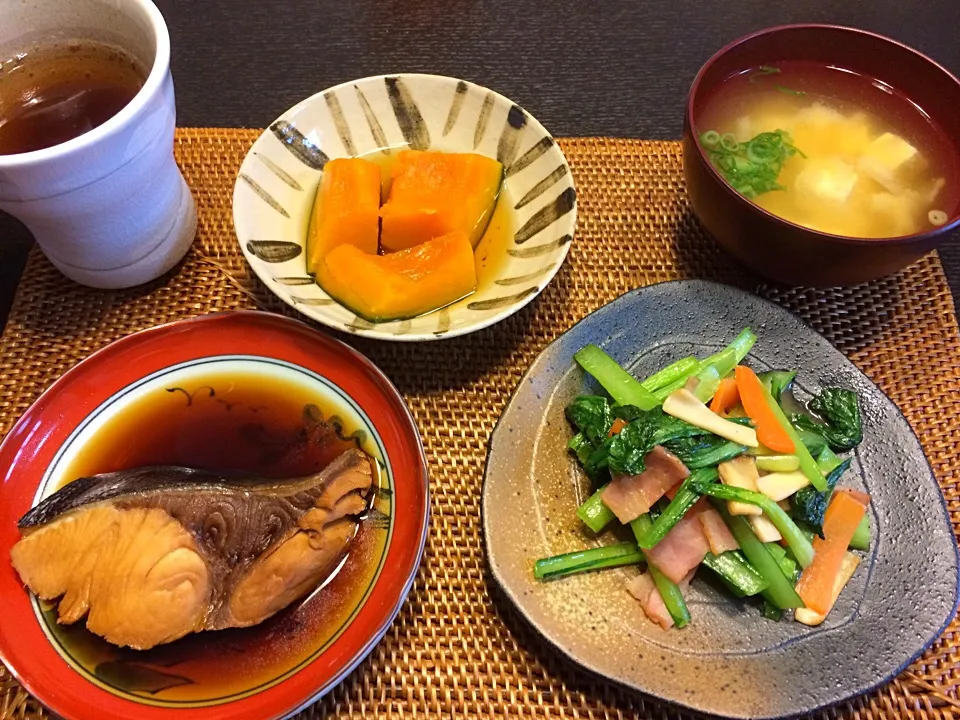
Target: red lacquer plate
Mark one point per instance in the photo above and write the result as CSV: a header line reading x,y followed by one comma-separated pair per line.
x,y
291,660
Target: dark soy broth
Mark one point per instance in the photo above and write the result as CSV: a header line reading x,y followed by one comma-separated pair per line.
x,y
250,424
870,162
53,93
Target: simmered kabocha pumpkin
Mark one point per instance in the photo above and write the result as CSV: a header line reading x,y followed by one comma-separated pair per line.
x,y
434,193
346,211
402,284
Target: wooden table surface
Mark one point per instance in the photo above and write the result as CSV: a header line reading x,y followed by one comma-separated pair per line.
x,y
608,67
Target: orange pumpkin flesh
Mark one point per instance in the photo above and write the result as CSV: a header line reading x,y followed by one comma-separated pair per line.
x,y
403,284
345,212
436,193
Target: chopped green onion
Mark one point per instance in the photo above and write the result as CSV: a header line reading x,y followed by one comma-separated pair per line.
x,y
584,560
594,514
686,496
622,386
729,142
751,168
669,591
795,538
789,91
764,70
710,139
779,591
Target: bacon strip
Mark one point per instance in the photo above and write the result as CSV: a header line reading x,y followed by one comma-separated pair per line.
x,y
630,496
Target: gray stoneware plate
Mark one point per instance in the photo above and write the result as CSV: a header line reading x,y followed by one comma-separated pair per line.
x,y
728,661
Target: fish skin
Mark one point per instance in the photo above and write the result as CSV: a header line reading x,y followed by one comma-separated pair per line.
x,y
247,533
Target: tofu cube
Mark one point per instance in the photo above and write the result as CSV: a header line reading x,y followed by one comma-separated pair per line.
x,y
827,179
884,158
890,150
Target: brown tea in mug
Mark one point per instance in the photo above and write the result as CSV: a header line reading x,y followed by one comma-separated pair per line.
x,y
56,92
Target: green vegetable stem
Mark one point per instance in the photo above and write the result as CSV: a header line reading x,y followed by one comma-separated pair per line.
x,y
799,545
622,386
584,560
688,494
738,574
669,591
779,590
777,381
681,369
808,466
594,514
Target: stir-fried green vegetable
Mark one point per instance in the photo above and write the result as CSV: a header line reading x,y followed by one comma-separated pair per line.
x,y
592,416
777,381
722,362
680,370
771,611
752,168
669,591
686,496
700,451
798,543
778,463
708,380
614,437
594,514
861,536
808,504
807,464
622,386
787,564
625,451
779,589
739,575
584,560
732,355
842,427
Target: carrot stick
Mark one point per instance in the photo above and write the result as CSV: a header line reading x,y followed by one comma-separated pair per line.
x,y
726,397
769,431
618,425
840,521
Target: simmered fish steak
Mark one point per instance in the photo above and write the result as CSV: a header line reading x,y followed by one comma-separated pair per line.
x,y
152,554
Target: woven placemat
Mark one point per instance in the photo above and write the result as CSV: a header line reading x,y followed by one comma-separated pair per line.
x,y
457,649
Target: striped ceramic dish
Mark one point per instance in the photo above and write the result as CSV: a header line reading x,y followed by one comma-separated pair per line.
x,y
276,186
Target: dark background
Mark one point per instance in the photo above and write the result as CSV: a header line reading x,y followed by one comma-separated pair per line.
x,y
582,67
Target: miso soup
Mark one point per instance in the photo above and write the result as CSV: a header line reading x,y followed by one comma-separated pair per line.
x,y
832,150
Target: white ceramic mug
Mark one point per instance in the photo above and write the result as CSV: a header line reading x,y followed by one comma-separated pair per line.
x,y
109,208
